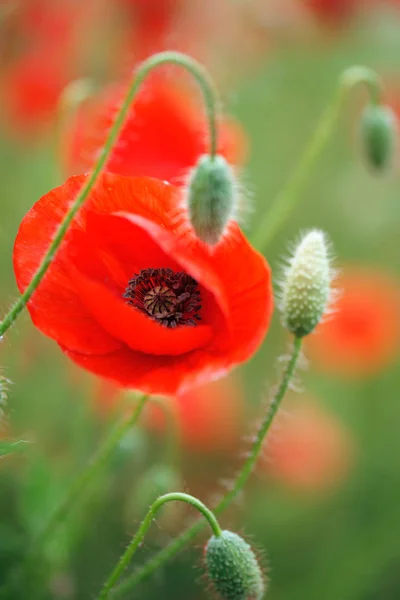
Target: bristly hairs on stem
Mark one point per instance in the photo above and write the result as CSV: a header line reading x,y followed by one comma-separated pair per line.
x,y
147,521
4,387
191,532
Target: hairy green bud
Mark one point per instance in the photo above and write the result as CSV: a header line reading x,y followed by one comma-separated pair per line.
x,y
306,285
378,135
233,569
211,197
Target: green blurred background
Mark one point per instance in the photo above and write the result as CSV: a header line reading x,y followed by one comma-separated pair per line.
x,y
332,542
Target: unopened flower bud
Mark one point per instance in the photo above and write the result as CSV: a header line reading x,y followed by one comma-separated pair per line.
x,y
211,197
306,285
378,135
233,569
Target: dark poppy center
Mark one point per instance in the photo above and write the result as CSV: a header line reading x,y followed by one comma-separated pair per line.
x,y
169,297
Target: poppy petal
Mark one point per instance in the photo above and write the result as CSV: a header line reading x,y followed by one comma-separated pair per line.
x,y
151,374
134,328
55,307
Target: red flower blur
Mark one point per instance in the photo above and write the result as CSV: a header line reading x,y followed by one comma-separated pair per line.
x,y
164,135
362,337
152,24
47,51
209,416
309,449
133,296
333,12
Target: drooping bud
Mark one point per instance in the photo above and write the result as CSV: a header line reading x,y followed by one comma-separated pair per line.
x,y
378,135
233,569
211,197
306,285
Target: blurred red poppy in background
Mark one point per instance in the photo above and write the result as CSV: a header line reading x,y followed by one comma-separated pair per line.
x,y
209,417
362,337
309,449
132,295
165,133
52,43
333,12
152,24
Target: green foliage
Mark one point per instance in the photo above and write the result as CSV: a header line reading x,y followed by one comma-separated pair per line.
x,y
10,447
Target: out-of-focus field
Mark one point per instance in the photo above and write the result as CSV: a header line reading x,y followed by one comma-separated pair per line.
x,y
324,505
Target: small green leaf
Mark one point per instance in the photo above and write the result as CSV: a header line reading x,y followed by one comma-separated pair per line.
x,y
9,447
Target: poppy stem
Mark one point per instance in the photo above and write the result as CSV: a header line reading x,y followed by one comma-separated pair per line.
x,y
286,200
211,102
189,534
147,521
93,468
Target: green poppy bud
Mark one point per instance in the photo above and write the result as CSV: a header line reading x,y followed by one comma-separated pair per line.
x,y
233,569
378,135
211,197
306,287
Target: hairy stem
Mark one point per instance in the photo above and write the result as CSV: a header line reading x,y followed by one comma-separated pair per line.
x,y
138,538
189,534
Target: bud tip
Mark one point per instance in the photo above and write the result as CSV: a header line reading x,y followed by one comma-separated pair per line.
x,y
233,568
378,136
306,287
211,197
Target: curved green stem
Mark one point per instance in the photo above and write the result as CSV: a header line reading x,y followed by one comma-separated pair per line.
x,y
286,200
147,521
178,543
210,99
95,465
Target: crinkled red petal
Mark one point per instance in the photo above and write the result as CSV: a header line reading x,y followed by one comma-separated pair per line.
x,y
87,277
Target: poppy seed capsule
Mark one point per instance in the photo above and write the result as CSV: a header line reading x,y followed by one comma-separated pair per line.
x,y
211,197
378,135
233,569
306,285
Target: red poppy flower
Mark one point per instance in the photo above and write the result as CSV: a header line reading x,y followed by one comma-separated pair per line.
x,y
362,337
163,137
31,90
309,449
133,296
